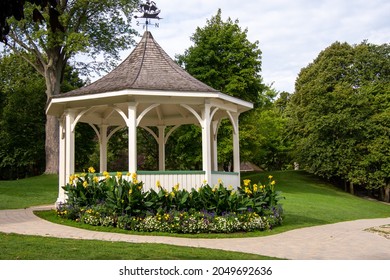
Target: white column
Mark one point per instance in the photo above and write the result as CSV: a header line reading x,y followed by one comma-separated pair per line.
x,y
69,144
236,144
161,148
103,147
206,142
214,139
132,126
61,165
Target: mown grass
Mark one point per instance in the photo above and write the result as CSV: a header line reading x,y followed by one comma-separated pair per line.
x,y
21,247
28,192
309,201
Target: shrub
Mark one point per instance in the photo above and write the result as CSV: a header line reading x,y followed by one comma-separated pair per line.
x,y
114,201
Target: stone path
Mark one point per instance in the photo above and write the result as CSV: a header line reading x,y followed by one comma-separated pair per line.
x,y
340,241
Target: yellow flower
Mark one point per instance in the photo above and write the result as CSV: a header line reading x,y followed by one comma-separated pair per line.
x,y
106,174
130,191
273,182
176,187
247,190
71,179
96,179
158,185
85,184
128,174
91,170
204,182
139,187
255,187
119,174
230,187
172,194
270,177
247,182
134,176
219,181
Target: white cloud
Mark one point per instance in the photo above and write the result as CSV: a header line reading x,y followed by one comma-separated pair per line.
x,y
290,33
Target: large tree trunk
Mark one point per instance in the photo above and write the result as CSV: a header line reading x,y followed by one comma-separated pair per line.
x,y
351,188
53,77
386,196
51,145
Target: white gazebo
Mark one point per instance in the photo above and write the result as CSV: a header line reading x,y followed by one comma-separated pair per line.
x,y
148,89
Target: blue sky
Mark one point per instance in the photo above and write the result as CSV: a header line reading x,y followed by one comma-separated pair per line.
x,y
290,33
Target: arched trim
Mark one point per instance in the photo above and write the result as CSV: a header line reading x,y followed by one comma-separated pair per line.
x,y
147,110
193,112
170,132
151,132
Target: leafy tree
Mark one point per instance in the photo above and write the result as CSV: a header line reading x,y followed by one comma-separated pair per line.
x,y
21,119
15,8
339,115
224,58
264,132
85,27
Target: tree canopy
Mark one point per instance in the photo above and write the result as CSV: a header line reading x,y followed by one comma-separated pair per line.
x,y
224,58
50,40
340,112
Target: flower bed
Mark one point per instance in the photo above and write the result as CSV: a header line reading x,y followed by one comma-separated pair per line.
x,y
114,201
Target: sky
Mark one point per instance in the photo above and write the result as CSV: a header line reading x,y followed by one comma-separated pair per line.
x,y
291,34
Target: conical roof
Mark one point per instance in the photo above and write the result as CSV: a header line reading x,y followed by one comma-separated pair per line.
x,y
148,67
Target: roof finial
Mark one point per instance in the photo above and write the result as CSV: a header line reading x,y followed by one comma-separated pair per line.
x,y
149,12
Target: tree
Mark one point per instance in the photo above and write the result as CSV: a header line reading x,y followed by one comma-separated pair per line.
x,y
22,119
91,28
339,115
224,58
15,8
264,130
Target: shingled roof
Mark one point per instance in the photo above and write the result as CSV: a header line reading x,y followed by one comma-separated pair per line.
x,y
148,67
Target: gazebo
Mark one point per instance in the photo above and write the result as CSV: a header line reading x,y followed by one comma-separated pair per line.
x,y
148,89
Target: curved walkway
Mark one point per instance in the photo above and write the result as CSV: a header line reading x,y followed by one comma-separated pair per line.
x,y
340,241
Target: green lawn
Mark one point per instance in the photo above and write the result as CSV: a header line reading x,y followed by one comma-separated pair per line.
x,y
33,191
20,247
308,202
311,201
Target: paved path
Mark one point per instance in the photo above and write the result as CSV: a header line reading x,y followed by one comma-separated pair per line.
x,y
340,241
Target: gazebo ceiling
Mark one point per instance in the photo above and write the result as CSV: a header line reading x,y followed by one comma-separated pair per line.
x,y
152,80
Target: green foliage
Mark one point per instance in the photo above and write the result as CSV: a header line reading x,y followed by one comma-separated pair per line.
x,y
21,119
339,114
223,58
89,27
116,201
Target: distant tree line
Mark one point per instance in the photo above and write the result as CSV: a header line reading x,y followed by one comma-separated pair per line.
x,y
339,116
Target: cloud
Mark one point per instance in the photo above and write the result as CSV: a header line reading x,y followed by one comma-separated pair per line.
x,y
290,33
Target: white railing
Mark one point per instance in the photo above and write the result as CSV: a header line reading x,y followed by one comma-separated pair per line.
x,y
227,178
168,179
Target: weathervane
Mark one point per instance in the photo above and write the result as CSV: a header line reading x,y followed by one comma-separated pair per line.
x,y
149,12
